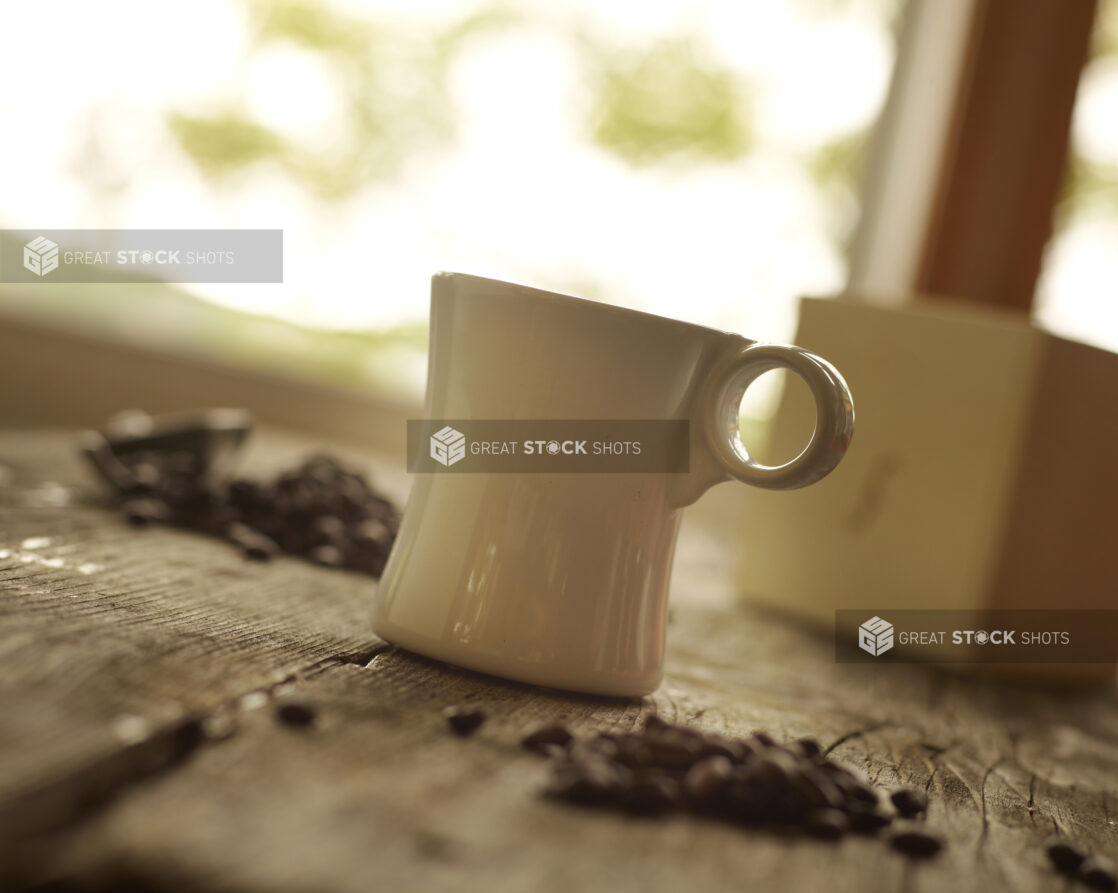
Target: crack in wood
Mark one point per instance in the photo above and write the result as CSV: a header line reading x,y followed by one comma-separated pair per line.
x,y
982,800
364,658
931,778
853,735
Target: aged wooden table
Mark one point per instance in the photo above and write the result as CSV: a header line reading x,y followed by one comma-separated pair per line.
x,y
139,749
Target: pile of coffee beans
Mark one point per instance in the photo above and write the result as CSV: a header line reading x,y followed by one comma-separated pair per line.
x,y
1096,872
320,509
754,781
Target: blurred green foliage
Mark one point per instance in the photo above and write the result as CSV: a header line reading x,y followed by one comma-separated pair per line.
x,y
668,101
665,100
385,123
1089,185
1105,42
224,141
837,168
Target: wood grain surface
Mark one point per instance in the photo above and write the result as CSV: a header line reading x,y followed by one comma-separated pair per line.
x,y
140,671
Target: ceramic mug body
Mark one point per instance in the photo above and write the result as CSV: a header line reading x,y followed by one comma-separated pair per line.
x,y
562,579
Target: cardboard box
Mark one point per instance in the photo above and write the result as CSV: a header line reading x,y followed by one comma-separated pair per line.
x,y
983,472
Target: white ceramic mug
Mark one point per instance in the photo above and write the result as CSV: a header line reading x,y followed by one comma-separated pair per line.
x,y
562,579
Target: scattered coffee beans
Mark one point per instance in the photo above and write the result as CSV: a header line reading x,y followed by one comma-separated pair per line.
x,y
320,510
909,802
544,737
749,781
297,715
868,821
142,511
253,544
1098,873
1064,856
464,721
806,747
917,844
827,824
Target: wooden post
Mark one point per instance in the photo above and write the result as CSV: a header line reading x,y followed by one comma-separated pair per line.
x,y
1006,150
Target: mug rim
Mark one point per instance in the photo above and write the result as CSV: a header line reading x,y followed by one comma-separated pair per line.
x,y
560,298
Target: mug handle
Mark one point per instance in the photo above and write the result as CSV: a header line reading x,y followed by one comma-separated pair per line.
x,y
834,415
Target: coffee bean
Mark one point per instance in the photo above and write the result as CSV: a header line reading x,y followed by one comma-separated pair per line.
x,y
327,555
806,747
573,783
721,746
653,723
856,791
916,844
772,765
707,778
746,800
836,770
181,464
329,529
909,802
142,511
602,745
817,788
667,752
1098,873
373,531
296,715
827,824
146,474
1064,856
591,782
464,721
551,733
652,795
867,821
219,726
762,792
743,751
253,543
373,565
551,751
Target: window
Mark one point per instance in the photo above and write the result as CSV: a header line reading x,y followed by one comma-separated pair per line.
x,y
694,159
1077,294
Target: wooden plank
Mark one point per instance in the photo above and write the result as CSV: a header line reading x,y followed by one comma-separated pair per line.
x,y
129,752
114,634
380,789
1006,151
